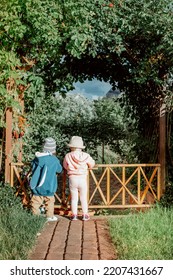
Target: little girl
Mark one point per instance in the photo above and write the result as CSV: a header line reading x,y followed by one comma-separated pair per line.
x,y
77,163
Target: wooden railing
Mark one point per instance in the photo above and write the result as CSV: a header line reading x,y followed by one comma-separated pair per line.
x,y
19,180
109,185
123,185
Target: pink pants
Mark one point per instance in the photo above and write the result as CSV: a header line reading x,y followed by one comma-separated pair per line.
x,y
78,186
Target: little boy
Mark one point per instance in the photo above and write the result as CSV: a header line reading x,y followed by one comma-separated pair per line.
x,y
44,180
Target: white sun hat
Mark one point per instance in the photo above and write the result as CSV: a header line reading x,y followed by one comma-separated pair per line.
x,y
76,142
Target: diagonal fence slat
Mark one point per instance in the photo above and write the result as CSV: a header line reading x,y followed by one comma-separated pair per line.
x,y
148,183
98,186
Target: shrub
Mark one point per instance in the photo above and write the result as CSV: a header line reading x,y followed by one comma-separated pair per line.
x,y
167,198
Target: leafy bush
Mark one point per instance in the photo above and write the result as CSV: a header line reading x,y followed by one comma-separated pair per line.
x,y
167,198
96,121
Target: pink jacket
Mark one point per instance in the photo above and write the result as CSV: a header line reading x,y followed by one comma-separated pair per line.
x,y
77,162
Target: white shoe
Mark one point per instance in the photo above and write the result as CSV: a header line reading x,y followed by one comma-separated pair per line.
x,y
85,217
74,218
52,219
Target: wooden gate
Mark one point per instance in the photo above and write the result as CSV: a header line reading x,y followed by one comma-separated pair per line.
x,y
123,185
109,185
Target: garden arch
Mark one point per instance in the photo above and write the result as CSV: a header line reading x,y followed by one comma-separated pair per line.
x,y
94,39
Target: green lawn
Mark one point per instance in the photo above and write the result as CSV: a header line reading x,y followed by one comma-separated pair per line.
x,y
144,236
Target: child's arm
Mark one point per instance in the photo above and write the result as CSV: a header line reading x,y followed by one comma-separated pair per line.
x,y
65,165
58,167
90,162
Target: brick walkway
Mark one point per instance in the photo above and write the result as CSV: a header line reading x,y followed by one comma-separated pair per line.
x,y
74,240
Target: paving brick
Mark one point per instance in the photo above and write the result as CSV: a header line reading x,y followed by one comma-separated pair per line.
x,y
55,256
90,256
62,226
90,250
90,244
75,237
90,237
59,240
73,249
90,232
55,249
76,232
74,242
76,224
72,256
107,256
90,229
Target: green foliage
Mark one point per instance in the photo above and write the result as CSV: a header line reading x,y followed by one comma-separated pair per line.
x,y
109,122
42,124
114,126
98,122
47,45
74,108
59,118
132,44
9,79
167,198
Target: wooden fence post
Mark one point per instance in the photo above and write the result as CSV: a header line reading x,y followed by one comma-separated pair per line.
x,y
162,146
8,144
21,102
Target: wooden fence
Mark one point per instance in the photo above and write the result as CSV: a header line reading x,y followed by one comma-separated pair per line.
x,y
109,185
124,185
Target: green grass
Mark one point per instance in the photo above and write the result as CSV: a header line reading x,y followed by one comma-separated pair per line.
x,y
18,231
144,236
18,227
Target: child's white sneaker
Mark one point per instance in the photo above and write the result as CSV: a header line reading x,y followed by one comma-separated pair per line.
x,y
52,219
85,217
74,218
